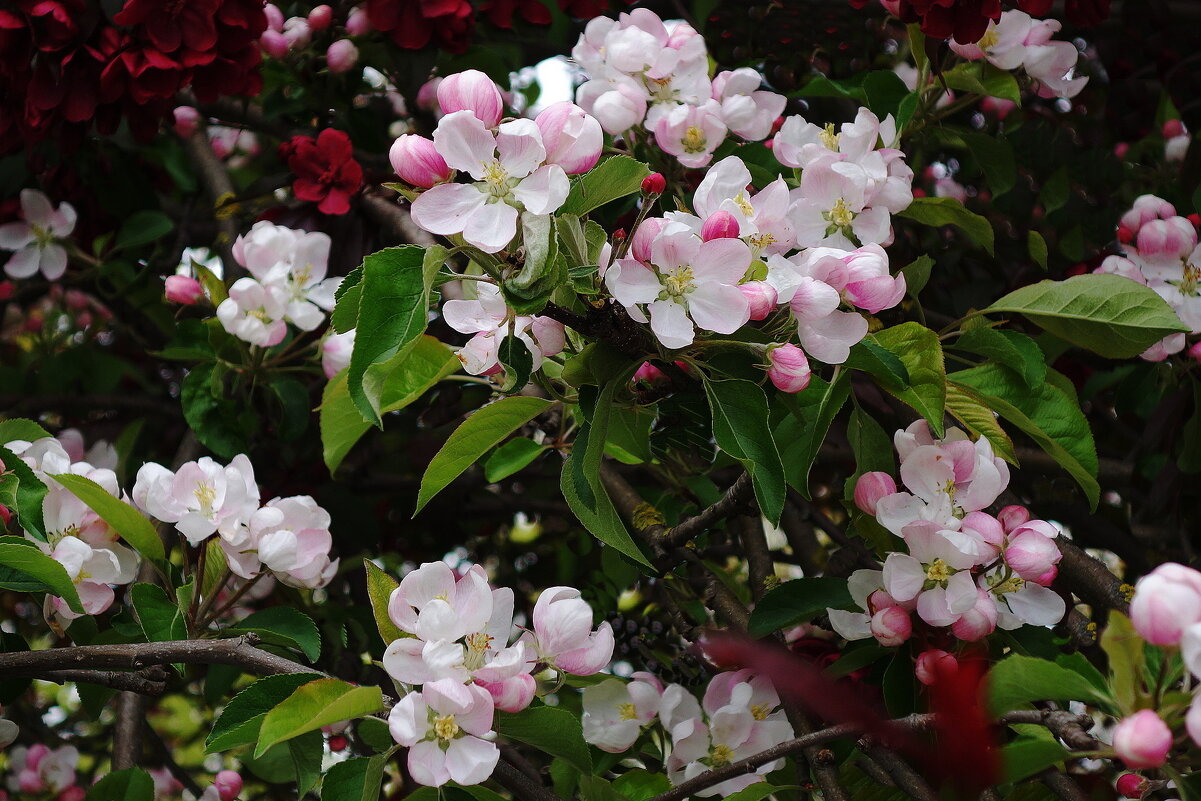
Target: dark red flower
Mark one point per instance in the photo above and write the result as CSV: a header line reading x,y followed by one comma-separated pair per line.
x,y
413,24
964,20
326,172
1087,12
59,23
1035,8
172,23
500,12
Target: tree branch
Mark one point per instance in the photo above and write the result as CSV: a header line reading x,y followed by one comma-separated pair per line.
x,y
219,189
395,220
1090,578
688,528
146,682
520,785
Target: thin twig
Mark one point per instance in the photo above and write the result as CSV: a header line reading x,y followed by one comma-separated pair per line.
x,y
147,682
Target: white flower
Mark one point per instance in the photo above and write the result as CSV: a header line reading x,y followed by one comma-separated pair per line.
x,y
255,312
200,498
36,240
615,711
447,727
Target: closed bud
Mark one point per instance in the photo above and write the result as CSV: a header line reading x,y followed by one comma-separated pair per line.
x,y
720,225
933,663
187,120
472,91
761,297
1166,601
357,23
978,622
1013,516
417,161
1169,239
891,626
654,184
338,743
321,17
1194,352
1131,785
274,43
73,793
789,370
341,56
1030,554
1142,740
228,784
183,289
1173,128
275,17
870,488
573,139
297,32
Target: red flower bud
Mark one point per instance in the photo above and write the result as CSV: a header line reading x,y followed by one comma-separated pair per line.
x,y
654,184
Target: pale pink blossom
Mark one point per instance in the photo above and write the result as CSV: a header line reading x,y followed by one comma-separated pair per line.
x,y
761,298
183,289
746,109
618,103
187,121
335,352
341,56
573,139
870,488
691,133
763,221
321,17
978,622
563,636
36,239
228,784
1166,601
254,312
433,605
291,265
891,626
357,22
487,317
199,498
292,540
40,769
615,711
472,91
447,727
1030,552
417,161
720,225
1142,740
789,371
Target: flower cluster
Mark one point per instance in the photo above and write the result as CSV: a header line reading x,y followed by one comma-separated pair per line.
x,y
965,569
1161,252
458,653
516,168
1019,40
40,770
737,717
288,284
286,537
65,66
76,537
36,239
725,265
488,319
643,74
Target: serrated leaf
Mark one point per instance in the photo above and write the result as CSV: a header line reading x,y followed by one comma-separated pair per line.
x,y
159,615
282,625
920,350
239,723
740,427
29,492
555,731
970,409
1016,351
474,437
611,179
316,704
1018,680
940,211
127,521
27,559
18,428
1107,314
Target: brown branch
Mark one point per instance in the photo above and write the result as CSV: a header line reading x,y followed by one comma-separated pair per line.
x,y
1067,726
1090,578
1064,786
609,323
146,682
519,784
395,220
908,780
219,188
738,492
761,570
127,730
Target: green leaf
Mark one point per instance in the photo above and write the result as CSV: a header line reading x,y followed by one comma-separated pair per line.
x,y
1107,314
615,177
871,445
880,362
971,410
473,438
798,601
283,625
242,717
213,286
939,211
740,427
1038,248
356,779
316,704
518,363
628,437
28,560
917,274
1026,756
393,309
995,158
19,428
294,406
219,424
1124,648
133,527
920,351
555,731
798,453
641,785
1055,191
1045,413
1017,680
131,784
1016,351
510,458
142,228
399,381
28,493
542,272
594,788
983,78
296,762
160,616
884,90
379,589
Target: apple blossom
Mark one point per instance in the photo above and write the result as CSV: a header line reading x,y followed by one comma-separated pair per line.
x,y
254,312
488,318
870,488
573,139
978,622
761,298
228,784
341,56
562,633
292,540
201,497
1030,553
691,133
358,22
417,161
762,217
654,184
1131,785
747,110
183,289
36,239
471,91
187,121
1142,740
447,727
335,352
1166,601
891,626
930,664
720,225
789,371
615,711
40,769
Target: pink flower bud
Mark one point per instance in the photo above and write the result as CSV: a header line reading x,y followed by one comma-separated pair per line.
x,y
187,120
427,95
649,373
1142,740
418,162
274,44
1121,149
789,369
341,56
720,225
183,289
321,17
338,743
870,488
1166,601
29,781
978,622
761,297
654,184
73,793
573,139
297,32
1194,352
880,599
513,694
1167,239
1045,579
357,22
1192,720
35,755
7,289
1173,128
891,626
644,238
1145,209
1013,516
275,17
930,664
1131,785
472,91
1030,554
228,784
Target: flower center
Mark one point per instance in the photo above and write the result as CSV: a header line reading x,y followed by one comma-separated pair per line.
x,y
259,314
205,496
761,240
496,180
445,728
42,236
840,215
679,282
760,711
694,140
477,649
626,711
1192,276
938,571
720,755
829,137
1011,584
744,204
989,39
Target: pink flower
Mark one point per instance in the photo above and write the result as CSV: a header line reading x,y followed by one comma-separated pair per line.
x,y
341,55
1166,240
1192,719
488,318
654,184
615,711
1142,740
274,44
789,370
417,161
293,541
228,784
1011,517
563,635
720,225
183,289
930,664
891,626
761,298
444,726
357,22
870,488
869,284
275,17
472,91
36,239
1031,553
978,622
199,498
691,133
746,110
187,120
618,104
1166,601
254,312
433,605
335,353
573,139
320,17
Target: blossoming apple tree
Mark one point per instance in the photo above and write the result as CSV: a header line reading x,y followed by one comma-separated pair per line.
x,y
556,400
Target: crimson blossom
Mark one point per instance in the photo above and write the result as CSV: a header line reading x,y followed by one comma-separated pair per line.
x,y
326,172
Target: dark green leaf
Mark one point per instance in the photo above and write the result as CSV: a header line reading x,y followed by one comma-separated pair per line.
x,y
885,90
1016,351
555,731
216,421
798,601
1054,193
19,428
242,717
1018,680
995,158
131,784
920,351
798,452
939,211
615,177
356,779
1038,248
316,704
1026,756
740,427
517,362
283,625
142,228
27,559
160,616
29,493
510,458
917,274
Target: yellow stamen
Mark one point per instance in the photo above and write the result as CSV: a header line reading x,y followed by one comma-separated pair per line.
x,y
445,727
829,137
938,571
841,215
694,140
627,712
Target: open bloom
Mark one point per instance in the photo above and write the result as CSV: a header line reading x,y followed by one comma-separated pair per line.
x,y
292,539
432,604
200,497
511,177
1166,602
615,711
488,318
326,171
36,239
563,634
447,727
691,133
255,312
294,261
572,137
